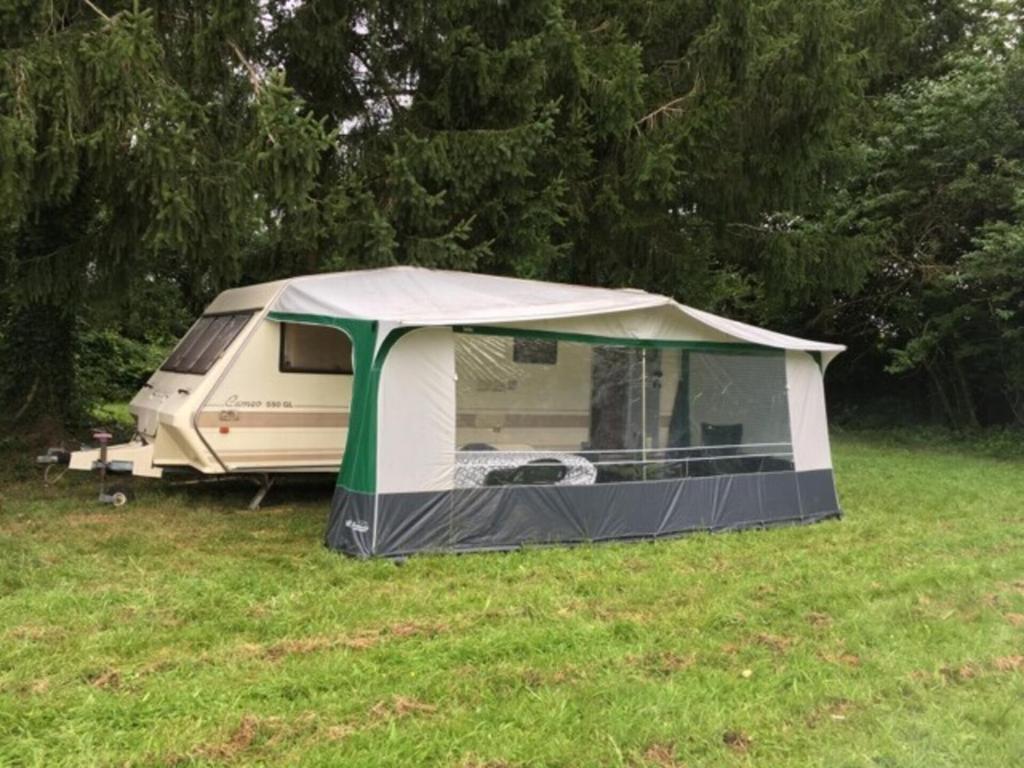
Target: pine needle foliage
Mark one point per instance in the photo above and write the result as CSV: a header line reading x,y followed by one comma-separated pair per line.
x,y
774,160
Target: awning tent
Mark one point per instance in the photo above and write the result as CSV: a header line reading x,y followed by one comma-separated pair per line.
x,y
490,412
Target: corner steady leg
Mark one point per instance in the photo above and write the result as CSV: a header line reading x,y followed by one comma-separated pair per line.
x,y
265,483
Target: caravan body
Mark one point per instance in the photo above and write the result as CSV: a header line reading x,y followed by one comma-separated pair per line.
x,y
242,393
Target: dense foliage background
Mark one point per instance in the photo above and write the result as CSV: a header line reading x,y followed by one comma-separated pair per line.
x,y
843,169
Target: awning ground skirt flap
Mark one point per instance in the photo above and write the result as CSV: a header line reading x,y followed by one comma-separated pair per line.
x,y
506,517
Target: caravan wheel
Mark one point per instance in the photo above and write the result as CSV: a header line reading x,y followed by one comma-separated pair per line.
x,y
120,496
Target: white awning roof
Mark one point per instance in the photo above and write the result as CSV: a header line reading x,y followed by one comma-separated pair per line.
x,y
751,334
417,296
414,296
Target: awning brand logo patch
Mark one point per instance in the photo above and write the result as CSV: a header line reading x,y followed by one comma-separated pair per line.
x,y
358,526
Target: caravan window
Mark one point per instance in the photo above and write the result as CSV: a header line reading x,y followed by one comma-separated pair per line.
x,y
205,343
314,349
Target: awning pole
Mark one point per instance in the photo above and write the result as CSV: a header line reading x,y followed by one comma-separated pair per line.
x,y
643,409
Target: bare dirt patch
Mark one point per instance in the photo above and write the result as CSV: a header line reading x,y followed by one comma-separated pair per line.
x,y
1017,586
1016,619
38,687
259,611
663,663
994,599
409,628
777,643
254,732
832,710
843,658
620,614
1009,663
109,680
399,706
533,678
819,619
960,674
360,641
340,732
240,739
158,665
661,755
568,675
737,741
536,678
36,632
299,646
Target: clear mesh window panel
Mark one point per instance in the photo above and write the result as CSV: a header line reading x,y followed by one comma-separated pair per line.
x,y
574,413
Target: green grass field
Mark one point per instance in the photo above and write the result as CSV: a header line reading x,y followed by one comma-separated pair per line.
x,y
183,631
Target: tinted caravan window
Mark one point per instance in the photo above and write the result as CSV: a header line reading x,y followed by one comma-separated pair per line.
x,y
205,343
314,349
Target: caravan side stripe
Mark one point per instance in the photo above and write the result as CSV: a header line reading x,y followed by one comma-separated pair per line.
x,y
272,419
331,460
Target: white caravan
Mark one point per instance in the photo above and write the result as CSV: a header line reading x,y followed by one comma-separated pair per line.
x,y
240,394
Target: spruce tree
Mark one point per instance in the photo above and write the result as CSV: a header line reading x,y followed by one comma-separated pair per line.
x,y
732,154
138,141
657,144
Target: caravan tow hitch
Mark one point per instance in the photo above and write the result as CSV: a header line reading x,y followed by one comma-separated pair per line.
x,y
56,462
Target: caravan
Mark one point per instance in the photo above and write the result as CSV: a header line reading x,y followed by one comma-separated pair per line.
x,y
463,411
241,394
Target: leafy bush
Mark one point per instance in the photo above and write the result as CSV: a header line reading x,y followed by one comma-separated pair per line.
x,y
110,368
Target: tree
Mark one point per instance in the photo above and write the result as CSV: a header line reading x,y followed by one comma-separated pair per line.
x,y
657,144
938,200
820,165
137,144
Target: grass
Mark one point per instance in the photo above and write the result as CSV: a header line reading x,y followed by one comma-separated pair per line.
x,y
183,631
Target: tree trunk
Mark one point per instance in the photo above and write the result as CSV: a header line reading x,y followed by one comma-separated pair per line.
x,y
940,391
963,387
37,370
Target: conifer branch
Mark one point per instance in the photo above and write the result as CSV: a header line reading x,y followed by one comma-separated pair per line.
x,y
386,93
669,108
28,399
90,4
254,76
